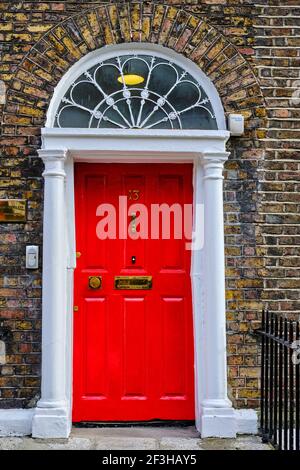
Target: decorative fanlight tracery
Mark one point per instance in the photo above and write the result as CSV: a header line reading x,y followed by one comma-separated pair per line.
x,y
136,92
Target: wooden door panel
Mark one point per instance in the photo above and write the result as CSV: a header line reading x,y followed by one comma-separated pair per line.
x,y
95,369
134,347
173,347
95,252
170,192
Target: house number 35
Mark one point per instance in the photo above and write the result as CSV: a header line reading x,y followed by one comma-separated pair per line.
x,y
134,194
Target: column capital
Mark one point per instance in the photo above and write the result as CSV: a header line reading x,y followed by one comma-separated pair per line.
x,y
213,164
50,155
54,161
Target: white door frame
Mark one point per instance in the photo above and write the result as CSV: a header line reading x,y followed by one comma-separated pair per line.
x,y
207,151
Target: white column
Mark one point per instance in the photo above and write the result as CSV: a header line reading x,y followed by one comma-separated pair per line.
x,y
217,417
52,414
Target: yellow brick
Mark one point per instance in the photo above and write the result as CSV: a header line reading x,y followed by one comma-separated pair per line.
x,y
260,112
24,325
193,22
243,326
158,15
30,111
93,21
20,17
124,23
58,60
233,251
38,28
249,283
172,12
86,34
216,49
71,47
6,27
241,20
146,29
108,35
12,119
135,16
42,74
6,77
246,113
16,17
16,174
248,393
249,371
253,262
59,32
19,37
56,43
113,15
232,272
237,96
27,77
83,49
233,294
249,305
42,6
29,90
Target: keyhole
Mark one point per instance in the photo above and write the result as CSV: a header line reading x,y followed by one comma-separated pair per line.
x,y
133,259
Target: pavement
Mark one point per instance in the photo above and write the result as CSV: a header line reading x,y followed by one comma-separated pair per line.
x,y
134,438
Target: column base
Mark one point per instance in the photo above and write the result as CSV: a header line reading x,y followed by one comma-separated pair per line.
x,y
217,422
51,423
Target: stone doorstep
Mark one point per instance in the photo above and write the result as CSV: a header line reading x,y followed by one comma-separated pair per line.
x,y
137,438
16,427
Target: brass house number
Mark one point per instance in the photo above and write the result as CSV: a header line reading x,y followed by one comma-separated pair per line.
x,y
134,194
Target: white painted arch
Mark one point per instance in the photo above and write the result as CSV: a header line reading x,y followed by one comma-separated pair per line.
x,y
108,52
61,149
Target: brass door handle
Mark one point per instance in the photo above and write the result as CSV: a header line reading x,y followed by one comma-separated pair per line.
x,y
95,282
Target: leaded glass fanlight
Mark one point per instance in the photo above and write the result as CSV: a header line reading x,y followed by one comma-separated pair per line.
x,y
136,91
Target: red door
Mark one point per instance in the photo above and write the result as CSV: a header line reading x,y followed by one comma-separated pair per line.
x,y
133,348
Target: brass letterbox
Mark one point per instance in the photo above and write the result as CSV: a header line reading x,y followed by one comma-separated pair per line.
x,y
133,282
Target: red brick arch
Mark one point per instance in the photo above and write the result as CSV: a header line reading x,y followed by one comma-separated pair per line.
x,y
32,86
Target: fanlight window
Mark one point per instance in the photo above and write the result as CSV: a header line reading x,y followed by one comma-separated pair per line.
x,y
136,92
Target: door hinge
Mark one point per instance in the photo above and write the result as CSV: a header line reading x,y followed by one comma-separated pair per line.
x,y
75,308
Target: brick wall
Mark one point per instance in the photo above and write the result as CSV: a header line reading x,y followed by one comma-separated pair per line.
x,y
251,53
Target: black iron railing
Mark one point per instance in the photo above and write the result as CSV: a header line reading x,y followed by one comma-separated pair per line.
x,y
280,385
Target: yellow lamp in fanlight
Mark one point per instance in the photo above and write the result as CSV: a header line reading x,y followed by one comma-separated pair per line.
x,y
130,79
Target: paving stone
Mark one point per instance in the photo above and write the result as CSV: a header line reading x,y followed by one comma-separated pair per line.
x,y
11,443
133,439
115,443
240,443
171,443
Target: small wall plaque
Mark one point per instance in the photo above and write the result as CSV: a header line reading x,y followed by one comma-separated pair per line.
x,y
12,210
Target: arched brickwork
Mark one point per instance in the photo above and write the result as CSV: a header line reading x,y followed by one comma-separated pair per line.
x,y
47,61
